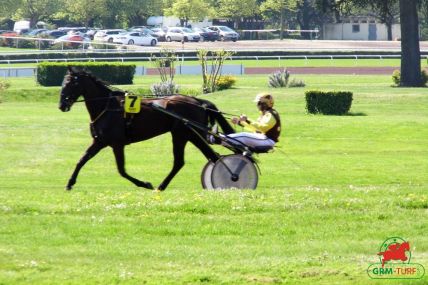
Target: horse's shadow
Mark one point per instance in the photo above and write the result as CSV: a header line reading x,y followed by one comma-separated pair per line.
x,y
356,114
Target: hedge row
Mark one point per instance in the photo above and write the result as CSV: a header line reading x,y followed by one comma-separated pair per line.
x,y
52,73
328,103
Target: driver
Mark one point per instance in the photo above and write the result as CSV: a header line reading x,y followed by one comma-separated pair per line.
x,y
263,132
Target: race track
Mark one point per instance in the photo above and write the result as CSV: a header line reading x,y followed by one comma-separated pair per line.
x,y
294,45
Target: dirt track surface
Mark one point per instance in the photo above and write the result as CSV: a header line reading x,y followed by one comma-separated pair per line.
x,y
294,45
312,70
324,70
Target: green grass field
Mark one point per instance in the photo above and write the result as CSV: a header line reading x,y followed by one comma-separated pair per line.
x,y
334,191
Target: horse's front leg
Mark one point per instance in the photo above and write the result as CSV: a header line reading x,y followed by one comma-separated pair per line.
x,y
119,154
92,150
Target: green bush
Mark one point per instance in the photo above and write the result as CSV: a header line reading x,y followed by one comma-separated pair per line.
x,y
424,77
396,77
328,103
225,82
4,85
294,82
52,73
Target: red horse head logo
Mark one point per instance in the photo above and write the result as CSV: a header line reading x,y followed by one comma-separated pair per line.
x,y
395,251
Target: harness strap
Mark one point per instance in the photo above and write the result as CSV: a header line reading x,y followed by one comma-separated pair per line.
x,y
99,116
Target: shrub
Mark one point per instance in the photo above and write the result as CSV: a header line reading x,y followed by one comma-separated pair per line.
x,y
166,88
52,73
396,77
4,85
279,79
296,83
214,59
328,103
104,46
24,43
424,77
225,82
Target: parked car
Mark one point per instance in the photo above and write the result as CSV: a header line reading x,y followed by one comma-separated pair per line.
x,y
91,32
225,33
137,27
181,34
6,33
142,30
36,32
54,34
7,41
107,35
72,40
207,34
73,29
135,38
159,33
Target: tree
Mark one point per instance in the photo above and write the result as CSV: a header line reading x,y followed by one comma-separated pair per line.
x,y
236,10
36,10
138,11
83,12
309,16
8,8
278,8
410,50
185,10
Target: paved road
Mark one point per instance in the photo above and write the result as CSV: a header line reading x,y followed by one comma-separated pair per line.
x,y
294,45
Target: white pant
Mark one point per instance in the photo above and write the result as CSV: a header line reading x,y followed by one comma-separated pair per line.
x,y
251,139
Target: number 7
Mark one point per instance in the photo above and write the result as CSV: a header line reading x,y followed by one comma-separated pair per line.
x,y
134,98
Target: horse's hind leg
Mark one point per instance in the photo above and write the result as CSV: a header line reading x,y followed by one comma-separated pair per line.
x,y
92,150
179,143
119,154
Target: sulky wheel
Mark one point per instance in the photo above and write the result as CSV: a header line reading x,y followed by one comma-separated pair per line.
x,y
206,176
234,171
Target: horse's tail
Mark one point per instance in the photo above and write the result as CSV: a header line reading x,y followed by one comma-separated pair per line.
x,y
214,115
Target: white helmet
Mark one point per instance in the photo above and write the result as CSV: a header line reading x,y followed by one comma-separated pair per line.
x,y
265,98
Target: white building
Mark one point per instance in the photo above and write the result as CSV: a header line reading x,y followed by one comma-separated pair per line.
x,y
360,28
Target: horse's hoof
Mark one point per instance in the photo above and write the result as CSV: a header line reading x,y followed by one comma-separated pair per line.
x,y
68,188
160,189
149,186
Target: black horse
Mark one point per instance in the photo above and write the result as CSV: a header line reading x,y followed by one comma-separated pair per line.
x,y
109,127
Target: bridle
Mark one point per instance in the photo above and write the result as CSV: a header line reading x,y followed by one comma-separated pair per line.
x,y
71,100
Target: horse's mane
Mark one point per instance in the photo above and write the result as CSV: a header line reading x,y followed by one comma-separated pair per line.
x,y
98,81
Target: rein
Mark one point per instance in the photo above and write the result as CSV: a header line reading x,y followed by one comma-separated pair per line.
x,y
154,97
205,108
95,99
106,109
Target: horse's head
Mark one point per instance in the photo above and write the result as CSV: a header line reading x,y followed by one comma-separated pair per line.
x,y
405,245
72,88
